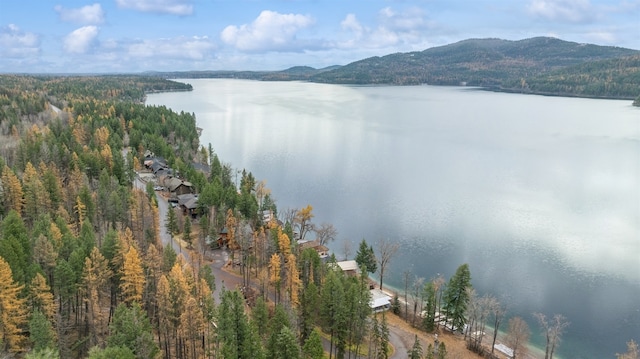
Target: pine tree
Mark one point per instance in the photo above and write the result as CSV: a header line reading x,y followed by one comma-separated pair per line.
x,y
260,317
186,231
416,349
312,348
41,332
13,312
131,328
366,257
287,345
456,297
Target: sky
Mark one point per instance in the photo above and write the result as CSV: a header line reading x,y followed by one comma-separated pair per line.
x,y
107,36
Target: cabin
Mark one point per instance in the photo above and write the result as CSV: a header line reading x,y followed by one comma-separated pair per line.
x,y
323,252
177,186
349,268
188,202
380,301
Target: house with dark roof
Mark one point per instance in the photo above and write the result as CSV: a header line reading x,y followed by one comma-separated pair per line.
x,y
178,186
188,202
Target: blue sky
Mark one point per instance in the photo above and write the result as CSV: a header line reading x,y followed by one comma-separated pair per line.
x,y
71,36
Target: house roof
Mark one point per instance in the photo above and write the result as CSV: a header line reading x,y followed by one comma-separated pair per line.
x,y
174,183
348,265
379,299
188,200
313,244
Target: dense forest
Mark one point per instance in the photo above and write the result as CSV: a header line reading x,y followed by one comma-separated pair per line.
x,y
540,65
84,272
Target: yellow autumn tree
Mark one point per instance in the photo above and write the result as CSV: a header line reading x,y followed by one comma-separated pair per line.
x,y
12,190
293,279
302,220
275,267
96,275
13,313
165,313
80,209
284,243
132,281
40,296
36,198
101,136
191,327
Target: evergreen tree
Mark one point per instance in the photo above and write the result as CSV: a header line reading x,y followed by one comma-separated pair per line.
x,y
429,322
171,221
286,345
110,353
416,350
46,353
41,333
276,324
235,333
186,231
169,257
308,309
260,317
456,297
130,328
15,246
312,348
366,257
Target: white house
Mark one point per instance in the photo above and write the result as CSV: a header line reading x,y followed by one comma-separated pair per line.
x,y
380,301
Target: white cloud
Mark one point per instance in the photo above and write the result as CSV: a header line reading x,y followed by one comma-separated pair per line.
x,y
410,20
574,11
602,37
191,48
81,40
173,7
86,15
270,31
18,44
408,28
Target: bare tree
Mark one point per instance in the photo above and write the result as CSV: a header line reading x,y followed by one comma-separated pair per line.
x,y
346,249
387,251
325,233
497,311
552,331
438,286
288,215
416,297
518,336
406,275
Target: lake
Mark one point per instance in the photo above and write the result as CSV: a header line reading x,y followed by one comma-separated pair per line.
x,y
539,195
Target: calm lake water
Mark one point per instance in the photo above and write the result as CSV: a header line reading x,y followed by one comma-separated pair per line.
x,y
539,195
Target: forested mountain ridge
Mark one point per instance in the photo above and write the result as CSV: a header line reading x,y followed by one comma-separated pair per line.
x,y
496,64
475,62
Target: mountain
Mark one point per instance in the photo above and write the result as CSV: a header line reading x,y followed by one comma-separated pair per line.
x,y
474,62
540,65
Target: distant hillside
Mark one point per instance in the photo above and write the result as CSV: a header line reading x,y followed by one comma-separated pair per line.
x,y
540,65
475,62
